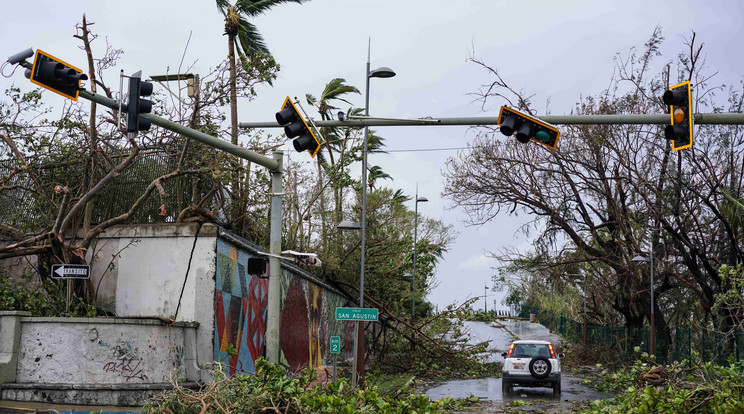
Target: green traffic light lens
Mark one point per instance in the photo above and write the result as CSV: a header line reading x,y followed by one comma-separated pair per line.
x,y
542,136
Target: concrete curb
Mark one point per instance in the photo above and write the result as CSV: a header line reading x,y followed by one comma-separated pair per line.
x,y
87,394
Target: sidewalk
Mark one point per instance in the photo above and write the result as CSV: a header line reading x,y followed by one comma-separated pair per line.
x,y
21,407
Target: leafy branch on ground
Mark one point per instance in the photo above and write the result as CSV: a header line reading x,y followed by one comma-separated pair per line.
x,y
269,390
434,349
686,387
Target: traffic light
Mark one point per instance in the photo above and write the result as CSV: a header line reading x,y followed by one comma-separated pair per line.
x,y
295,126
138,106
679,99
56,75
527,128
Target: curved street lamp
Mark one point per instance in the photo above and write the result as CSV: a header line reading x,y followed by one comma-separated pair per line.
x,y
382,72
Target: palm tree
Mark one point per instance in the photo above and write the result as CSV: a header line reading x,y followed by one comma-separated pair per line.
x,y
333,91
249,44
249,41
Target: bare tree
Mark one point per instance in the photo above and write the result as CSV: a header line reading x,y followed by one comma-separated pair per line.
x,y
610,192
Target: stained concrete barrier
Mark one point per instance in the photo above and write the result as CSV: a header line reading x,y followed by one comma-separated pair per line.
x,y
111,361
10,338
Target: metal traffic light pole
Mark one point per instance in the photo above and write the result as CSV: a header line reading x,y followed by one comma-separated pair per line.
x,y
275,240
206,139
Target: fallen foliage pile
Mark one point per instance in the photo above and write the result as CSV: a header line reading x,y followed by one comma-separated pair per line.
x,y
678,388
270,391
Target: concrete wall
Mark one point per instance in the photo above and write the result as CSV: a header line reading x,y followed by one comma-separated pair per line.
x,y
18,267
99,351
142,271
147,276
96,360
308,321
10,340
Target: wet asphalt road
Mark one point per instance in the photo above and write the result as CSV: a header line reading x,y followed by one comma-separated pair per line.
x,y
490,388
499,339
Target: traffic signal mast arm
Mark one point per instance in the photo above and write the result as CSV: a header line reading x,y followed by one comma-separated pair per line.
x,y
621,119
270,163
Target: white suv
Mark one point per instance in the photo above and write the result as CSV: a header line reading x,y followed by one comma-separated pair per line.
x,y
531,364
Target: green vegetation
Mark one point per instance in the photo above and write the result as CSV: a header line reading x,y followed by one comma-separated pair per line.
x,y
440,353
677,388
45,300
269,390
480,316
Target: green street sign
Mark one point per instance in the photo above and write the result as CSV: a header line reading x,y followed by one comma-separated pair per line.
x,y
356,314
335,344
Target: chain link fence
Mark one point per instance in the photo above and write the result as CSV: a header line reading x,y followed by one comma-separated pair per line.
x,y
22,205
710,345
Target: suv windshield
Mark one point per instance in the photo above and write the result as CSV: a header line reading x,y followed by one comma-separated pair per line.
x,y
530,351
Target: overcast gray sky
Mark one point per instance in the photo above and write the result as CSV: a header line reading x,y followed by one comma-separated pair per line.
x,y
556,49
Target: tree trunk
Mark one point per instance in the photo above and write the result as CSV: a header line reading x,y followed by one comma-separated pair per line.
x,y
237,204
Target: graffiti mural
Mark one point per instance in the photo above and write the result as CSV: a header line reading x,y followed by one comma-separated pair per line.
x,y
306,323
240,302
293,326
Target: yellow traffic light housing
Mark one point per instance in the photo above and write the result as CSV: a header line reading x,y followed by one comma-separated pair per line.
x,y
679,99
295,126
56,75
527,128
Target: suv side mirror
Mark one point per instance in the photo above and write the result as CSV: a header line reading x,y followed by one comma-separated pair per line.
x,y
561,355
503,354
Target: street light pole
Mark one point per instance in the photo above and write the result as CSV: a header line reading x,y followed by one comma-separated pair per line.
x,y
485,298
552,283
415,241
358,369
584,309
651,322
651,319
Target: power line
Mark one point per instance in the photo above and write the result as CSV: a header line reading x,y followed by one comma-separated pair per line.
x,y
383,151
427,149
